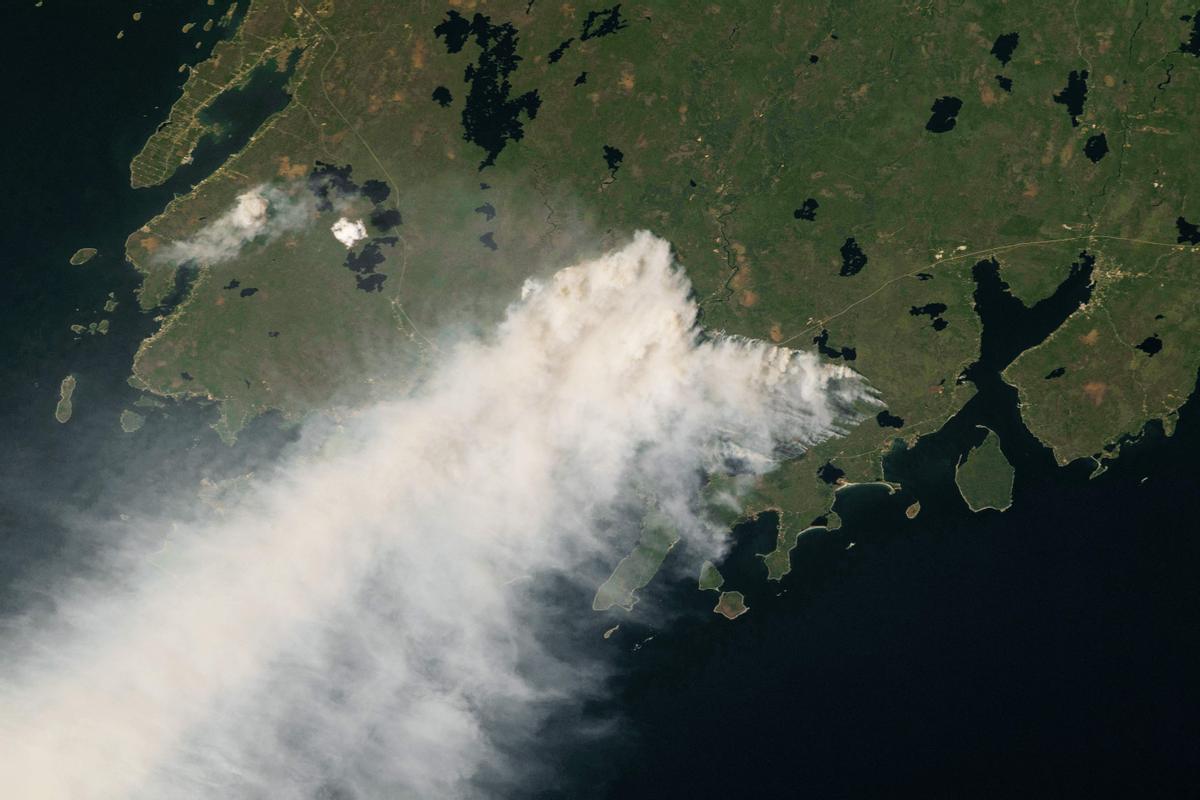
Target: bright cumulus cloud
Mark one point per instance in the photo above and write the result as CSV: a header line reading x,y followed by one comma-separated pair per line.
x,y
355,626
349,232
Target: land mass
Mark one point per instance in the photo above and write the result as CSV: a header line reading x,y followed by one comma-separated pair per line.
x,y
637,569
731,605
63,410
985,478
827,182
82,256
710,577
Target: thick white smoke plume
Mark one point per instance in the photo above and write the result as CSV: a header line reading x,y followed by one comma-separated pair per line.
x,y
263,213
353,629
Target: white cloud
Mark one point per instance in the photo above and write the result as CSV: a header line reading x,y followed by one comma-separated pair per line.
x,y
357,622
349,233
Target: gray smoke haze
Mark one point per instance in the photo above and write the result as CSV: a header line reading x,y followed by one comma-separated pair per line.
x,y
352,626
261,214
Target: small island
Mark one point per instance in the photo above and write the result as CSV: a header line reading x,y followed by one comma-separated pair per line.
x,y
985,478
83,255
62,412
710,577
636,569
92,328
131,421
731,605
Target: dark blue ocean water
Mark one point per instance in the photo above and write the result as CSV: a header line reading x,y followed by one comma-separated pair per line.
x,y
82,104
